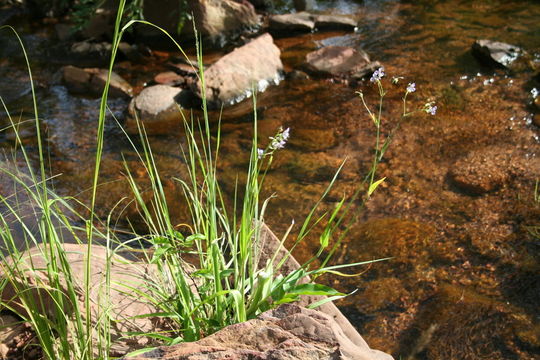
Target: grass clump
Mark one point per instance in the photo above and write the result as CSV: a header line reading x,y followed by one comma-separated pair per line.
x,y
227,280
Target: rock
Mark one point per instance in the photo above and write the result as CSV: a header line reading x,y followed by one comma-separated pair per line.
x,y
301,21
482,171
306,22
213,18
334,22
169,78
232,77
89,54
157,108
495,53
536,119
124,309
297,75
287,332
303,5
92,81
340,61
118,87
100,23
183,68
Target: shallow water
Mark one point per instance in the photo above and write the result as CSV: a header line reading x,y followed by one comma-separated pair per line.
x,y
463,281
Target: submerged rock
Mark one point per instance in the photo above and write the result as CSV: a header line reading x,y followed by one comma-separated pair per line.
x,y
334,22
340,61
157,108
92,81
288,332
482,171
231,78
495,53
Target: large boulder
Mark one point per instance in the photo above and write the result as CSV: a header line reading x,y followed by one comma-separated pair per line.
x,y
157,108
287,332
127,311
231,79
340,61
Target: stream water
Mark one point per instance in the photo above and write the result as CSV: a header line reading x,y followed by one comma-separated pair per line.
x,y
464,280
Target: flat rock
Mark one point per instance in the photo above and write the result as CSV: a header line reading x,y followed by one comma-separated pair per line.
x,y
124,310
92,81
231,78
335,22
301,21
157,108
495,53
339,61
169,78
287,332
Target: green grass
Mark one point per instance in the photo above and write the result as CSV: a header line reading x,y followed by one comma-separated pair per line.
x,y
229,284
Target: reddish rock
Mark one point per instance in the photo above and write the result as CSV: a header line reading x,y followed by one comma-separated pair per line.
x,y
301,21
92,81
340,61
232,77
169,78
288,332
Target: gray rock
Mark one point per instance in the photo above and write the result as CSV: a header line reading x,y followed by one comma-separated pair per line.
x,y
287,332
301,21
156,108
339,61
231,78
495,53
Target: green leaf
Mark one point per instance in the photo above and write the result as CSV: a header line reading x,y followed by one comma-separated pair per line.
x,y
374,186
316,304
314,289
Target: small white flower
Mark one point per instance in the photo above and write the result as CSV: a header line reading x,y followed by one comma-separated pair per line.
x,y
411,87
260,153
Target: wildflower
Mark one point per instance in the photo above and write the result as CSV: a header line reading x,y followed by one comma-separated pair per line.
x,y
430,108
260,153
279,141
534,93
411,87
377,75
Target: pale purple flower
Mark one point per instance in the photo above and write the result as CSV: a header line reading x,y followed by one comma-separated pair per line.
x,y
260,153
377,75
286,134
279,141
431,109
411,87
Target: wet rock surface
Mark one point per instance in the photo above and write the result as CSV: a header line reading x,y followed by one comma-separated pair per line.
x,y
496,53
288,332
231,78
157,108
340,61
306,22
92,81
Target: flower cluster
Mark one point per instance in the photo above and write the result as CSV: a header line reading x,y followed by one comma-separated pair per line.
x,y
377,75
411,87
430,108
277,142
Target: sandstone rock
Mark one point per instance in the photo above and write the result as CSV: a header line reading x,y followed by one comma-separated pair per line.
x,y
156,107
231,78
92,81
124,310
301,21
482,171
288,332
337,22
88,54
169,78
213,18
340,61
118,87
495,53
